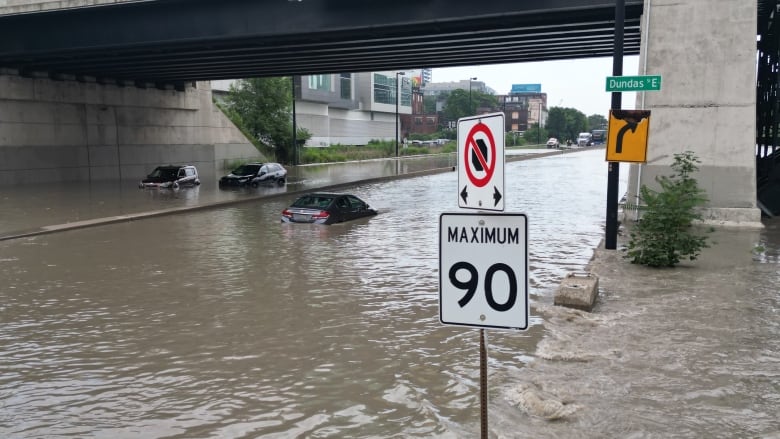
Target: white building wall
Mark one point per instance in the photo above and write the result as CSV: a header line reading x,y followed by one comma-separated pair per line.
x,y
371,121
315,118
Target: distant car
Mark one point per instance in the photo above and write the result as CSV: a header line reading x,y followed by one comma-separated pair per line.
x,y
171,176
254,174
326,208
552,142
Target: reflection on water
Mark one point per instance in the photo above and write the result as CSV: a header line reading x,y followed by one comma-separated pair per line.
x,y
227,323
36,205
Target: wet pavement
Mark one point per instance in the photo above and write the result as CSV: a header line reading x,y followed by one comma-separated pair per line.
x,y
224,323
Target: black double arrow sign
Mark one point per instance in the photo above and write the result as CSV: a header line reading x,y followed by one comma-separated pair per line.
x,y
483,148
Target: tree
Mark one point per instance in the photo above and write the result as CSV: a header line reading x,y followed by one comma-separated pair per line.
x,y
483,100
597,122
429,104
664,234
512,138
565,123
261,108
535,135
460,104
457,105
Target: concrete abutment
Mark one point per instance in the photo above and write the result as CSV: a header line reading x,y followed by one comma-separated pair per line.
x,y
58,131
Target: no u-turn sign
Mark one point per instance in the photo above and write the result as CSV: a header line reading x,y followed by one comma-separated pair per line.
x,y
481,162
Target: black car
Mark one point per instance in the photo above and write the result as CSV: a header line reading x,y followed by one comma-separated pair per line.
x,y
171,176
326,208
254,174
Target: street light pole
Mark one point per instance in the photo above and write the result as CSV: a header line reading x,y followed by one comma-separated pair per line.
x,y
539,124
471,79
397,99
294,133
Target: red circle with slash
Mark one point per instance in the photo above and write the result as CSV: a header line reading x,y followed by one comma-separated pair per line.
x,y
471,144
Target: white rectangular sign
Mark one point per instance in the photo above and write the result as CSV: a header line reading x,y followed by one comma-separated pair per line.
x,y
483,270
481,162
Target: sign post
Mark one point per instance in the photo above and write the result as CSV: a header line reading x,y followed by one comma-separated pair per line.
x,y
483,257
613,170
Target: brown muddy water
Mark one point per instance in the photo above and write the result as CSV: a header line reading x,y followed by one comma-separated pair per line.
x,y
227,324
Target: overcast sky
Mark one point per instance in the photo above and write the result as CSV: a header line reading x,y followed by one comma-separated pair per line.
x,y
576,84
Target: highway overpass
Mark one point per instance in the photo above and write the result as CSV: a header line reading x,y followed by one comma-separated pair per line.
x,y
121,78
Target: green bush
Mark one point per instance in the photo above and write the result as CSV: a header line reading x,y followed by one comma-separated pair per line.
x,y
665,233
415,150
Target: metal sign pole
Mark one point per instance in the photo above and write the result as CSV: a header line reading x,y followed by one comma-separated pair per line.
x,y
613,175
483,398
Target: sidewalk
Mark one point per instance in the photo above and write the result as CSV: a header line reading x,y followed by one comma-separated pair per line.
x,y
691,351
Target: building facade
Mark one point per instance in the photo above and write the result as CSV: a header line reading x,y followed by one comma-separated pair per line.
x,y
352,108
523,110
349,108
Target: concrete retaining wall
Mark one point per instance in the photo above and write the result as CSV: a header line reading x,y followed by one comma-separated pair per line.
x,y
53,131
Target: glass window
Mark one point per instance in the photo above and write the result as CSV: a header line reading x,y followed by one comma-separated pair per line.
x,y
406,91
384,89
345,81
356,202
319,82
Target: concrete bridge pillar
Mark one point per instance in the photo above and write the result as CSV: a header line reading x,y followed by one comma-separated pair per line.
x,y
705,51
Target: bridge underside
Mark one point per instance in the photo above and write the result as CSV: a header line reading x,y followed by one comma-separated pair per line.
x,y
178,41
175,42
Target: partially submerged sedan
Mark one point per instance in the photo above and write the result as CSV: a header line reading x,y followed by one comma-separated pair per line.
x,y
171,176
326,208
254,174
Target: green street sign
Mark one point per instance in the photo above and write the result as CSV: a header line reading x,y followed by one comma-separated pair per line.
x,y
634,83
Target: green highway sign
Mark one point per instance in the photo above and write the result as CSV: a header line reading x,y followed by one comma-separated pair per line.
x,y
634,83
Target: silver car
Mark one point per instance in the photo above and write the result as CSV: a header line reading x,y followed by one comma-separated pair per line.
x,y
255,174
171,176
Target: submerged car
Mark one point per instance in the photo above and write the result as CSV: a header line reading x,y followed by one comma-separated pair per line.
x,y
171,176
254,174
326,208
553,142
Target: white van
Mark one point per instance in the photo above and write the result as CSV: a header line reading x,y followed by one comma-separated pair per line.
x,y
584,139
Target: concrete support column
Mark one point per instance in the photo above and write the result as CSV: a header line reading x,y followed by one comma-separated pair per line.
x,y
705,51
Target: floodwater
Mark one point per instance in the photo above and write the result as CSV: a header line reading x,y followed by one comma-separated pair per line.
x,y
227,324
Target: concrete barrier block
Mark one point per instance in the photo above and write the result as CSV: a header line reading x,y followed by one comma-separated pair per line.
x,y
578,291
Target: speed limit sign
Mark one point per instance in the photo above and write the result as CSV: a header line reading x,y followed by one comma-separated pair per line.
x,y
483,270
